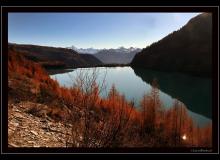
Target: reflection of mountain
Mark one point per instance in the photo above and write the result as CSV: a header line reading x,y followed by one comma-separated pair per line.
x,y
194,92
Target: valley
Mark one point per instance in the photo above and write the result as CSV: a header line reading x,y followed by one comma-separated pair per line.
x,y
158,96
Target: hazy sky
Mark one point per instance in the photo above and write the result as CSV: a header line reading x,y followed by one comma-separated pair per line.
x,y
98,30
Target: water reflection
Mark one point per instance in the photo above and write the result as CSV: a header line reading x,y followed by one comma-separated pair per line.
x,y
135,83
194,92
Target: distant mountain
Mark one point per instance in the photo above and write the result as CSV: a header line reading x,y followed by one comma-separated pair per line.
x,y
187,50
51,57
86,50
120,55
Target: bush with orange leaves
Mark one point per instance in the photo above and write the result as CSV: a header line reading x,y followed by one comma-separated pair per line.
x,y
111,121
170,127
99,122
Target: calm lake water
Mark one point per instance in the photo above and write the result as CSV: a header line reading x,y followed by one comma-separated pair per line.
x,y
194,92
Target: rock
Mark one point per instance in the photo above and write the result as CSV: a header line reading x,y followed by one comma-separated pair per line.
x,y
23,127
15,124
16,110
48,133
13,145
30,142
45,139
36,146
43,120
60,139
45,128
35,133
18,115
10,130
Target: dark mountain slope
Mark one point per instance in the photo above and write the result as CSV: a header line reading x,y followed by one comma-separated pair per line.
x,y
51,57
187,50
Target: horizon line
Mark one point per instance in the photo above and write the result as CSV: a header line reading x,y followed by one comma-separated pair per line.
x,y
74,46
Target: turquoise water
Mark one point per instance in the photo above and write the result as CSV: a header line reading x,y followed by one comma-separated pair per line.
x,y
194,92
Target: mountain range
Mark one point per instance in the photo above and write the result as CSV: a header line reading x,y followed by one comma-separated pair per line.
x,y
84,50
117,56
120,55
188,49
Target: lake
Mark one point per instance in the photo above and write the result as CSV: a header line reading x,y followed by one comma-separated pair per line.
x,y
194,92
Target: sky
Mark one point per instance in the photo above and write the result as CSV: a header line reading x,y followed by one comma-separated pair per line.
x,y
97,30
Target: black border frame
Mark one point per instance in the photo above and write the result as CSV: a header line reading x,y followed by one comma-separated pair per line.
x,y
215,77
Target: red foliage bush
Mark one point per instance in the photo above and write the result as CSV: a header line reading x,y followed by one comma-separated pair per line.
x,y
113,121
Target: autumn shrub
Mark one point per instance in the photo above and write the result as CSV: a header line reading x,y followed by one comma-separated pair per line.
x,y
111,121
